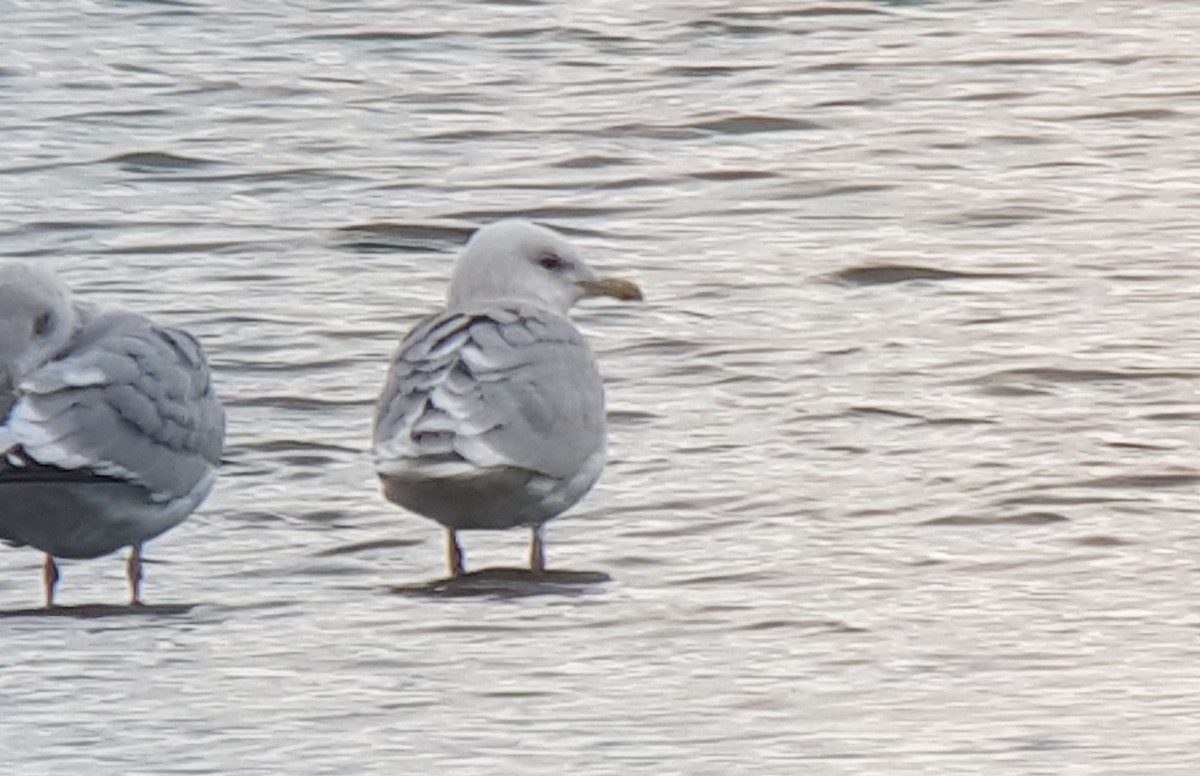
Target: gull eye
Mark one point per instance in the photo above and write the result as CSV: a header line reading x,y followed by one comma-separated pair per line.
x,y
551,262
41,324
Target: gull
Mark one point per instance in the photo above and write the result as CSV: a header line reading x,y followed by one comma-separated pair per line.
x,y
111,431
492,414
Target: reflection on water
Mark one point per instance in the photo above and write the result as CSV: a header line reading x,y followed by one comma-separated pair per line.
x,y
902,468
509,583
96,611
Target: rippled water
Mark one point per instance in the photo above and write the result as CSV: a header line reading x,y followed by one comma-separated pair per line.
x,y
903,472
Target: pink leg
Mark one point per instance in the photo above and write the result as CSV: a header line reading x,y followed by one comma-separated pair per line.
x,y
133,572
454,553
537,551
50,578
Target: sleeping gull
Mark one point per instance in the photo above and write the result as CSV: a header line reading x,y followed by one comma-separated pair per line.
x,y
111,430
492,415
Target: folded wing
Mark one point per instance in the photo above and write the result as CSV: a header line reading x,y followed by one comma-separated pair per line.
x,y
505,386
127,400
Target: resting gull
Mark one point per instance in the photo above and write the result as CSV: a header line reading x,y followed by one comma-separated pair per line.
x,y
111,432
492,415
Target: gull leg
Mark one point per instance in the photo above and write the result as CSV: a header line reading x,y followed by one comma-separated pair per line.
x,y
537,551
50,577
454,553
133,572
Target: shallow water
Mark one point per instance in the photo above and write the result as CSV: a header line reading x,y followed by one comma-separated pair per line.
x,y
903,441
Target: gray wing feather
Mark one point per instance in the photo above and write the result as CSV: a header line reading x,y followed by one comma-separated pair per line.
x,y
126,399
505,386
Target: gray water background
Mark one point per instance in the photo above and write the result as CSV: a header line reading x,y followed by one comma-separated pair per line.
x,y
904,441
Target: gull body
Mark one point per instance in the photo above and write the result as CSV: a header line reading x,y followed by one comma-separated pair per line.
x,y
492,415
110,430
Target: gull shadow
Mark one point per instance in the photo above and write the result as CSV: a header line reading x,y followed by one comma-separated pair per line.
x,y
506,583
99,611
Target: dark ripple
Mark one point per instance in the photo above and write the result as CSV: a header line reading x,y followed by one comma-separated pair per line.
x,y
647,131
629,183
887,412
1044,499
466,135
255,517
112,118
139,161
174,4
732,28
169,249
823,626
1028,518
592,162
664,346
716,374
992,320
1101,541
515,694
733,579
958,421
1015,61
999,95
324,175
1139,481
753,125
1000,217
523,33
292,464
733,175
405,237
816,192
386,36
1011,391
1064,375
884,274
1139,446
1033,140
1135,114
707,71
1188,417
41,227
630,417
848,9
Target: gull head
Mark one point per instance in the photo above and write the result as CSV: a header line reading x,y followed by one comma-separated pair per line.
x,y
37,320
515,259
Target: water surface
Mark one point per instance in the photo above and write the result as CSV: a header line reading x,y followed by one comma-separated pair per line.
x,y
903,441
